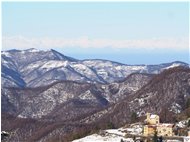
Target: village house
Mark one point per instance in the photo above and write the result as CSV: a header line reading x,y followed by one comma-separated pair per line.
x,y
164,129
154,125
149,130
152,119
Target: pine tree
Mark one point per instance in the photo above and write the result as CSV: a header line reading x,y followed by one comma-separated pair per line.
x,y
110,125
122,140
188,124
155,137
187,105
133,117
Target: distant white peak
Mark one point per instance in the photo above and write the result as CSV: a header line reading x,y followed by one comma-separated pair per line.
x,y
50,50
32,50
152,116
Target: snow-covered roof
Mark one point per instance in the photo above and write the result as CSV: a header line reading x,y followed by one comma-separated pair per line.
x,y
152,116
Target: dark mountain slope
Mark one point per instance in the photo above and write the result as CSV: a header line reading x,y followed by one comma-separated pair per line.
x,y
75,115
166,94
68,97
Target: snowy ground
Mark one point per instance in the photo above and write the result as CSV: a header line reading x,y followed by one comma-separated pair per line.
x,y
107,138
116,135
110,135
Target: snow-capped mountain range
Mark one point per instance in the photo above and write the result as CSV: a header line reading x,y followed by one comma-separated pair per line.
x,y
34,68
46,95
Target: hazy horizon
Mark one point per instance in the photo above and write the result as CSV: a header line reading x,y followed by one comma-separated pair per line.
x,y
125,32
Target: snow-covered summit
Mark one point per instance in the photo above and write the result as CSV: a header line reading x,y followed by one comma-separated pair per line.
x,y
34,66
33,50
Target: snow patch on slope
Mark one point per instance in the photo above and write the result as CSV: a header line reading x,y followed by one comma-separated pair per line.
x,y
54,64
176,108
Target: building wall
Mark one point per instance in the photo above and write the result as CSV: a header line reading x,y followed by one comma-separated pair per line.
x,y
149,130
161,130
154,125
145,130
152,121
165,131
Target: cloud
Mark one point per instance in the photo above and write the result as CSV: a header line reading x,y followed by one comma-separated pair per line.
x,y
21,42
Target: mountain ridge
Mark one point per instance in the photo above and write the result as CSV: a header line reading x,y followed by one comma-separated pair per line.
x,y
34,68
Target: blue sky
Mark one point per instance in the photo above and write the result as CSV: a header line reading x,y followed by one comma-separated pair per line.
x,y
127,32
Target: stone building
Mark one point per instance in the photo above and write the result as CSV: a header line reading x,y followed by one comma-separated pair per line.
x,y
164,129
154,125
152,119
